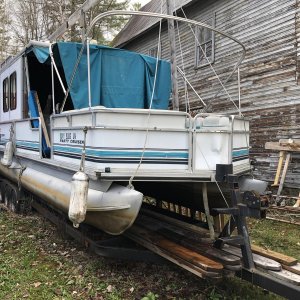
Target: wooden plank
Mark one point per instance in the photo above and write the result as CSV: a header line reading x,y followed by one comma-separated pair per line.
x,y
284,259
283,221
191,256
284,147
142,237
203,248
44,128
291,209
279,167
283,175
259,261
188,239
286,276
187,254
297,204
294,269
175,222
159,225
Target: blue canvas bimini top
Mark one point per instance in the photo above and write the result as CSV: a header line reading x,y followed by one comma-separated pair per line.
x,y
119,78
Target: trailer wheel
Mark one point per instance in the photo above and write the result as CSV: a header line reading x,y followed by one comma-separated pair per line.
x,y
1,192
6,195
14,201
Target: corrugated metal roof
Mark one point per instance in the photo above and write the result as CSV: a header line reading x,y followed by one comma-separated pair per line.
x,y
137,25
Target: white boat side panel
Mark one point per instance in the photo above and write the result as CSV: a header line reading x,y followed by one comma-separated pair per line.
x,y
124,148
17,113
210,149
212,142
61,121
120,118
82,120
27,139
110,119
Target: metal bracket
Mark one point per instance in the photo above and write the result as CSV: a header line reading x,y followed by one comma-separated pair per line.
x,y
238,211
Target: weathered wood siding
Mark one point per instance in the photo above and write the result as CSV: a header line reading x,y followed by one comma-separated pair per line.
x,y
270,90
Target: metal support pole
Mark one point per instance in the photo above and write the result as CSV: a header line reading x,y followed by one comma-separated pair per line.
x,y
82,25
239,91
89,71
171,32
53,87
242,230
207,212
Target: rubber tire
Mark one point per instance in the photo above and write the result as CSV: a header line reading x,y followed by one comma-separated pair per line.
x,y
6,193
14,205
2,185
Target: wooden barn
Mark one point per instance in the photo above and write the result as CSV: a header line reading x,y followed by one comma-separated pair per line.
x,y
270,78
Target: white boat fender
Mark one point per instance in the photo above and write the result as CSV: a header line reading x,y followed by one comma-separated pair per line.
x,y
8,154
78,198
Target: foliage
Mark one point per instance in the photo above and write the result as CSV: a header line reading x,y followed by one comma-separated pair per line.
x,y
150,296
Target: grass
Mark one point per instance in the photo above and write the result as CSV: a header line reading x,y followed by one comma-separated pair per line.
x,y
36,263
276,236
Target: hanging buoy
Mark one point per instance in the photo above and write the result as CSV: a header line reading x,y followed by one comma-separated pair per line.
x,y
8,154
78,198
79,191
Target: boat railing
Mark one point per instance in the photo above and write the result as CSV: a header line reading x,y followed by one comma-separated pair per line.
x,y
178,19
162,17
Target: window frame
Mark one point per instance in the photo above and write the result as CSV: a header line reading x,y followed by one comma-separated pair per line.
x,y
5,96
14,74
212,40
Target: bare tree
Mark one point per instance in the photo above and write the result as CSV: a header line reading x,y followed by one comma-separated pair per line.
x,y
4,37
37,19
136,6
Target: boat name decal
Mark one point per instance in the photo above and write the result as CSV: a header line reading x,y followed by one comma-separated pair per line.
x,y
70,138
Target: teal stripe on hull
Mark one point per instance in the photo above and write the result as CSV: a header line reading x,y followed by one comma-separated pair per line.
x,y
242,152
35,145
107,153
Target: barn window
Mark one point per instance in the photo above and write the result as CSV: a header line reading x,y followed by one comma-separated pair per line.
x,y
13,90
205,44
5,95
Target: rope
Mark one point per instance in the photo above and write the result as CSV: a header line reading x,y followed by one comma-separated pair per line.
x,y
74,73
223,196
130,185
212,68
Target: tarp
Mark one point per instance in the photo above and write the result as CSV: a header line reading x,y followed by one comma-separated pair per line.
x,y
119,78
41,53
